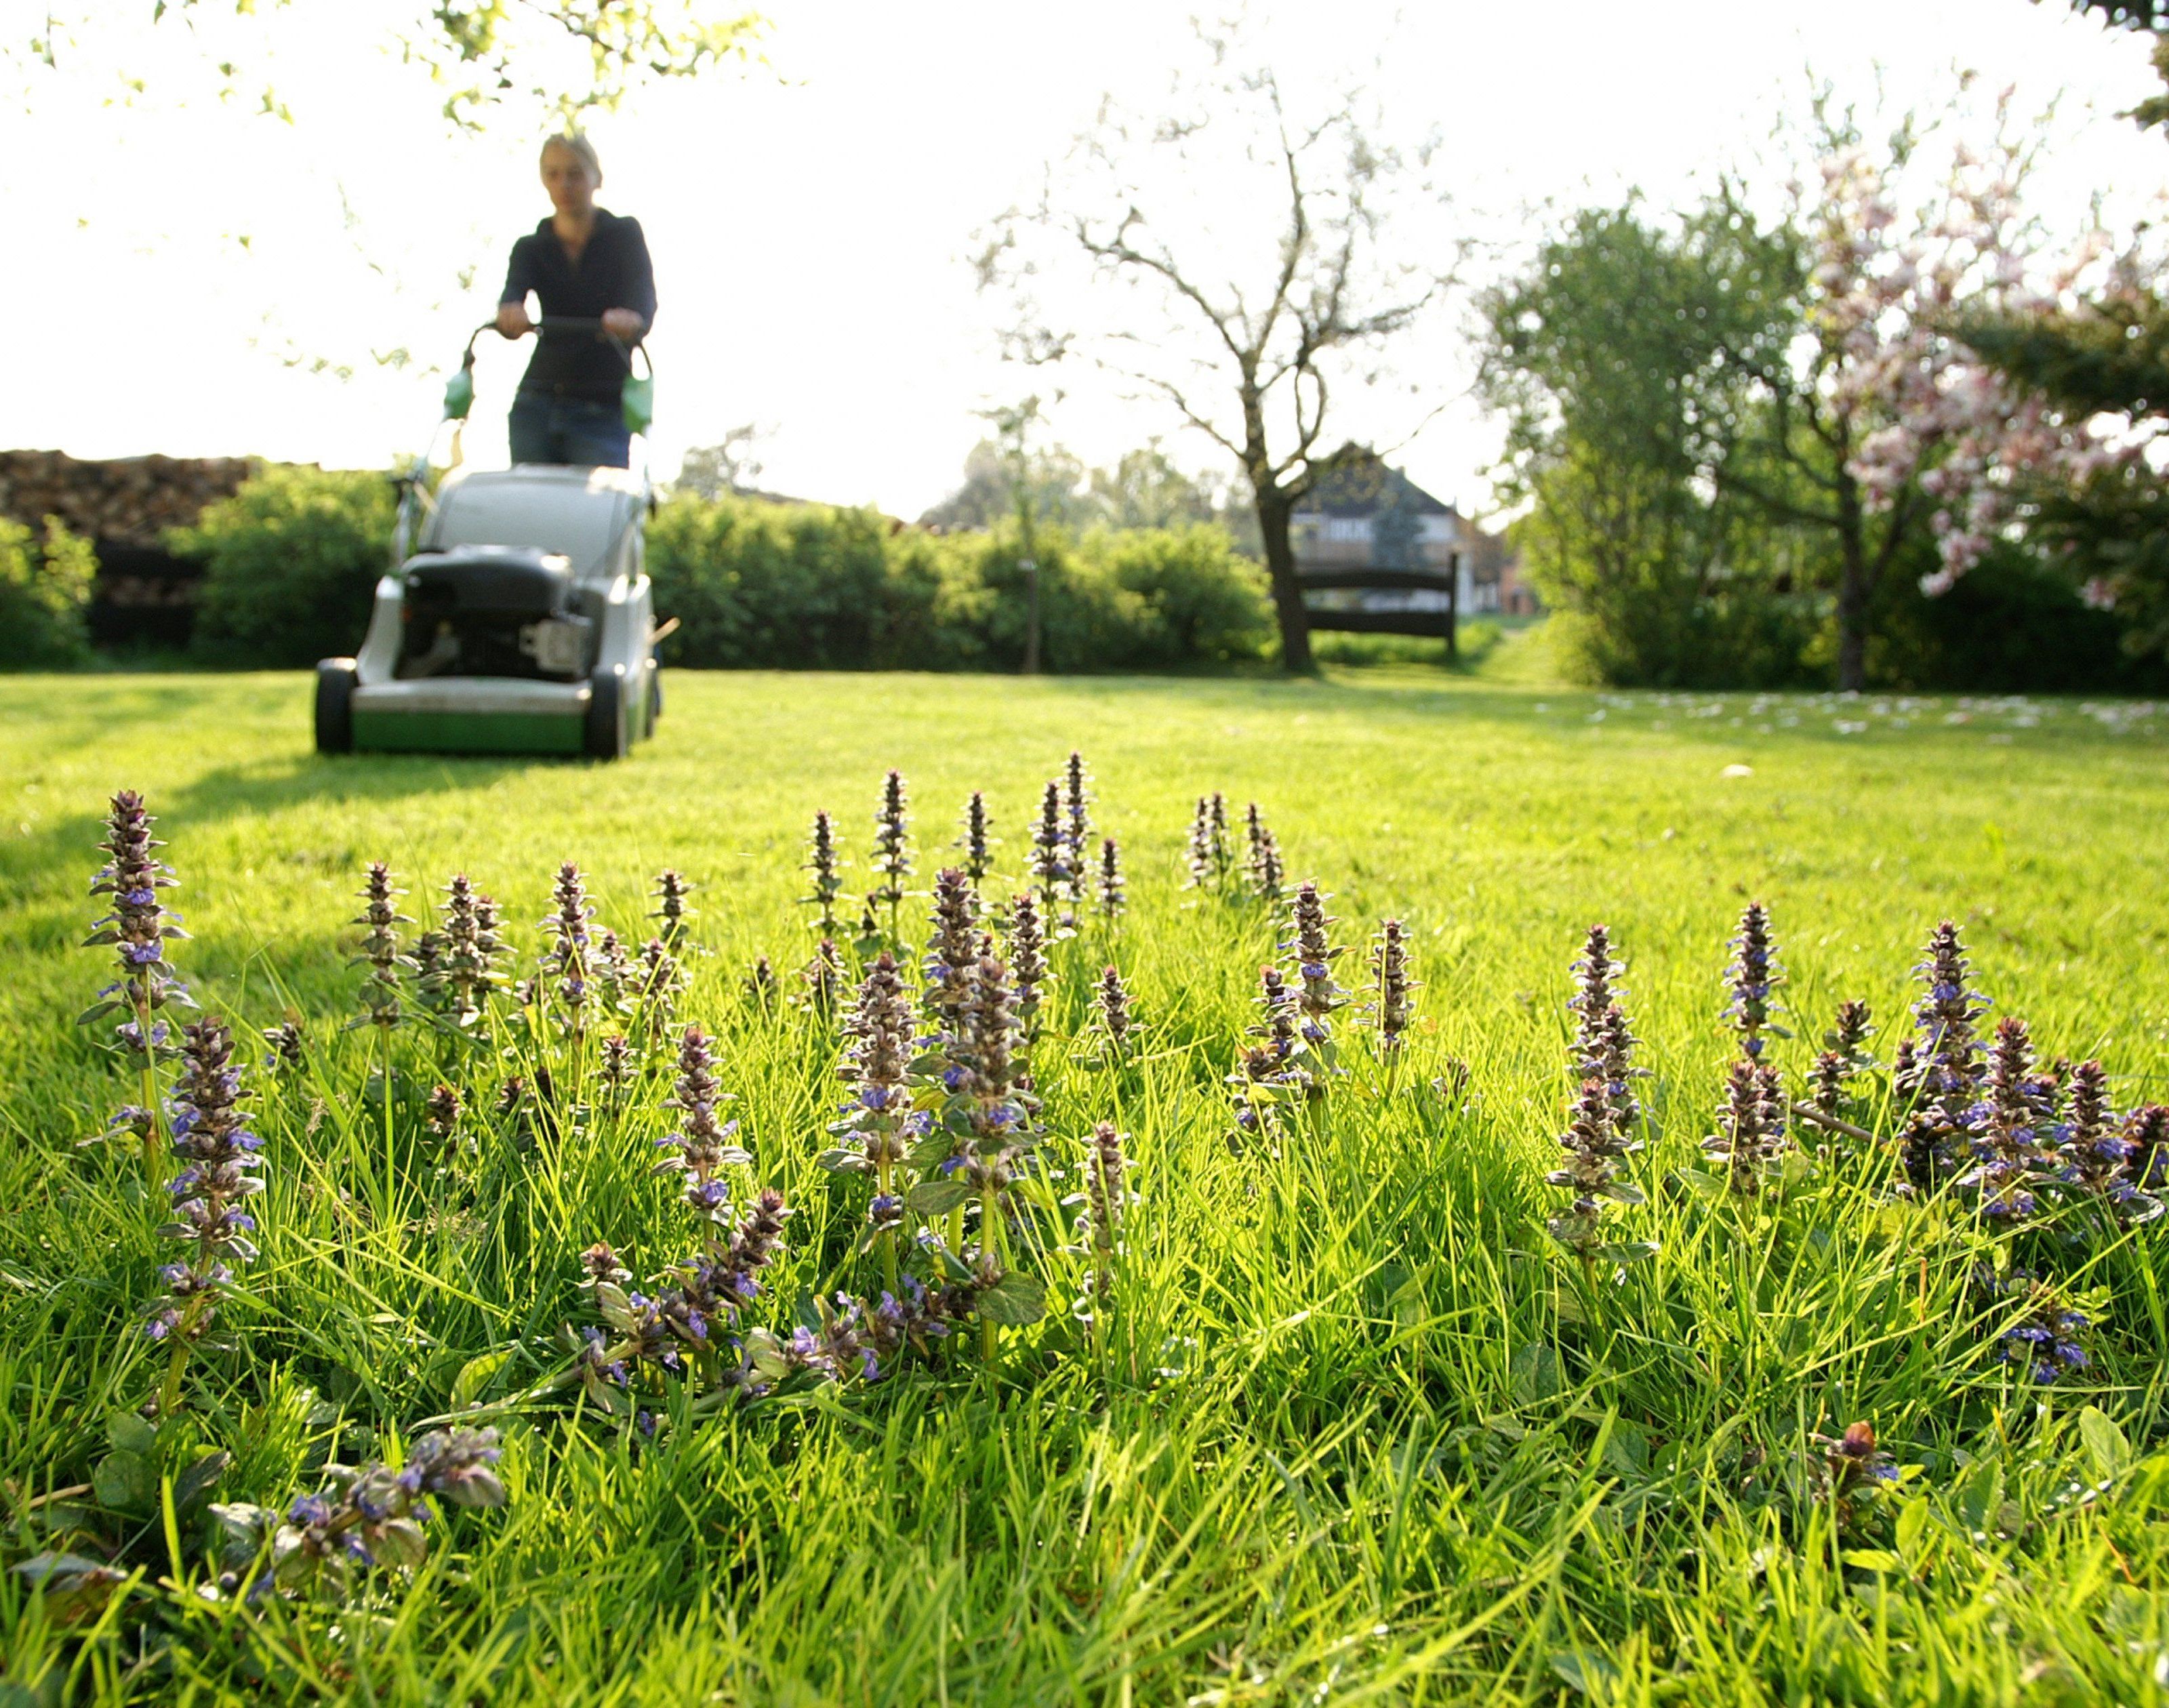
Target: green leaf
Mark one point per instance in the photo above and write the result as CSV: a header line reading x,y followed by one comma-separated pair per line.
x,y
1872,1559
43,1568
1583,1671
75,1587
129,1432
1627,1452
400,1542
1912,1524
1980,1495
937,1197
953,1268
764,1355
476,1376
600,1394
241,1529
615,1307
2111,1451
1533,1373
1016,1300
199,1480
125,1482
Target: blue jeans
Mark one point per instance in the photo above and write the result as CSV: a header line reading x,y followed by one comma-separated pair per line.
x,y
576,430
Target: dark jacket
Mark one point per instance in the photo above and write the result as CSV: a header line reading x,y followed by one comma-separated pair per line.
x,y
613,272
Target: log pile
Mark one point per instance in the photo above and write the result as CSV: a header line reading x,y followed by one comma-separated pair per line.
x,y
124,507
127,502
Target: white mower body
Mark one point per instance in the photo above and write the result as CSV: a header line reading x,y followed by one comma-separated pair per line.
x,y
521,622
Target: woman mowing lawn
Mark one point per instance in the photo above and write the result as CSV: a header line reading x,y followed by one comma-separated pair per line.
x,y
584,262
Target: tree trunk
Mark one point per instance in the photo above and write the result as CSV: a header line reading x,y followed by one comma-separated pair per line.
x,y
1452,604
1852,626
1852,589
1274,510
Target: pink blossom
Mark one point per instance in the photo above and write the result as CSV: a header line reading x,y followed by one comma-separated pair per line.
x,y
1924,407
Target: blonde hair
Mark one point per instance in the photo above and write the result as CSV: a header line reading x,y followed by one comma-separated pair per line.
x,y
576,143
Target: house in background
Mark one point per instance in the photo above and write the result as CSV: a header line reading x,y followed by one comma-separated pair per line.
x,y
1375,552
1362,516
1496,573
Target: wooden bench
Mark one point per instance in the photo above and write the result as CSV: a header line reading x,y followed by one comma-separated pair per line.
x,y
1434,623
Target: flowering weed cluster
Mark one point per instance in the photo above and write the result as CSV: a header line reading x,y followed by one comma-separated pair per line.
x,y
951,1197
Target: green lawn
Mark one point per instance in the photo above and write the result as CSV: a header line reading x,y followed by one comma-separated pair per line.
x,y
1358,1430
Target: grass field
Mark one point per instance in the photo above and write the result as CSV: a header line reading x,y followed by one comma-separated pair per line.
x,y
1356,1428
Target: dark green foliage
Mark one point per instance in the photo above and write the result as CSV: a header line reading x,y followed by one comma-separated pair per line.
x,y
2013,624
1744,637
290,563
2110,357
2115,532
44,592
2113,357
1198,600
1131,599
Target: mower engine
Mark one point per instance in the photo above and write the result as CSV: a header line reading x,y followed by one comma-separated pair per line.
x,y
492,611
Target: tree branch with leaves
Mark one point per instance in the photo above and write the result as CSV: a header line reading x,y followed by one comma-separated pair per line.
x,y
559,58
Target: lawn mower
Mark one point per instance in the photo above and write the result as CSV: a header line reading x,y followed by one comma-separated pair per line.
x,y
516,615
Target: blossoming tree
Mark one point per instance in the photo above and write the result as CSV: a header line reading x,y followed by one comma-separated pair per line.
x,y
1806,381
1884,412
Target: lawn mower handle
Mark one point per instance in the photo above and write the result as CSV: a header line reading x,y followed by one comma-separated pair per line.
x,y
459,393
555,323
566,323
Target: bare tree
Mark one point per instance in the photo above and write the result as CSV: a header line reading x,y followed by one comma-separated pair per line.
x,y
1247,341
733,465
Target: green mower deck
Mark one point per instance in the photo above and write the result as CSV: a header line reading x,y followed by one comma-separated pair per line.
x,y
466,733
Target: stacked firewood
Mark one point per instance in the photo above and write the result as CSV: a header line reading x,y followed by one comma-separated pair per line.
x,y
129,501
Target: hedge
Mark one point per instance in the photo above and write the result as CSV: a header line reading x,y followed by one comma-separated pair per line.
x,y
290,560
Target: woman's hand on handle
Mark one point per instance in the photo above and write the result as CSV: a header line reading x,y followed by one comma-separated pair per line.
x,y
512,320
623,324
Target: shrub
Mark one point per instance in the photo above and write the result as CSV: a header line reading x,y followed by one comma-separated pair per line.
x,y
290,562
44,593
2013,625
1750,637
1201,601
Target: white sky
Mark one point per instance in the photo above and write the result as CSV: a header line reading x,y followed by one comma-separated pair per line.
x,y
812,219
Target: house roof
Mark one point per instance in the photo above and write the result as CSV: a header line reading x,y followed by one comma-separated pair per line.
x,y
1356,481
